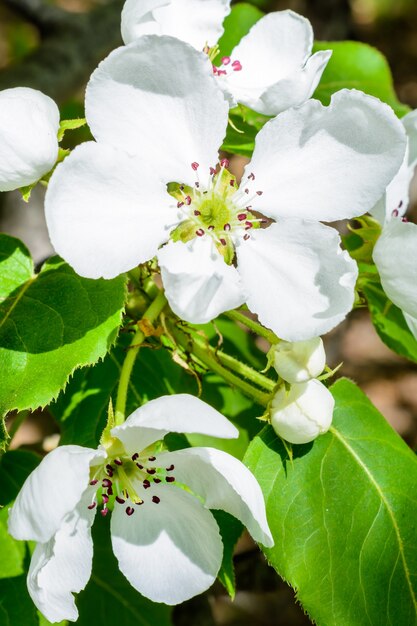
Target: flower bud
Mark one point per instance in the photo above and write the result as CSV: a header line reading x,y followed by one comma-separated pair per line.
x,y
302,413
299,361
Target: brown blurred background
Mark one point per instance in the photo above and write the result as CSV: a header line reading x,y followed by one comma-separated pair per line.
x,y
54,47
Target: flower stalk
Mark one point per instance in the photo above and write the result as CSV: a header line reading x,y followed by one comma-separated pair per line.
x,y
255,327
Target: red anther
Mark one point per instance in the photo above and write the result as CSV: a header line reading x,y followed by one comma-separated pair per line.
x,y
92,505
109,467
231,182
170,479
246,190
197,185
118,462
400,205
195,166
109,473
259,193
187,200
221,72
246,237
241,217
215,69
170,468
211,227
151,470
226,227
151,458
248,225
212,171
182,187
105,498
94,482
251,176
224,162
199,232
120,500
223,242
104,512
110,491
237,66
139,466
197,213
404,219
156,499
129,510
156,480
179,205
225,60
146,484
106,483
395,213
135,456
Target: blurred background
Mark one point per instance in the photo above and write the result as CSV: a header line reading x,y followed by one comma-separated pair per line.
x,y
54,47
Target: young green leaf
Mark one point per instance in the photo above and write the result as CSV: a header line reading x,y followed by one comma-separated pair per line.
x,y
342,513
50,324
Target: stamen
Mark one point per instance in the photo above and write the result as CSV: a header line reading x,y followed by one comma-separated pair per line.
x,y
170,479
199,232
195,166
135,456
251,176
129,510
212,171
237,66
395,213
120,500
231,182
156,499
151,470
179,205
156,480
187,200
223,242
105,498
104,512
246,237
225,60
110,491
146,484
224,163
118,462
241,217
94,482
195,213
259,193
151,458
170,468
106,482
227,227
139,466
92,505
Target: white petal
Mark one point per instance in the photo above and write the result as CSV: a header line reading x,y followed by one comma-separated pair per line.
x,y
197,22
29,123
410,125
276,70
157,97
224,483
180,413
411,323
62,566
106,211
199,285
299,281
169,551
395,200
326,163
395,255
50,492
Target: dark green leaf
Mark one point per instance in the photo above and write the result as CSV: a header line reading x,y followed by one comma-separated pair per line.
x,y
50,324
240,138
15,467
355,65
230,530
109,600
343,515
236,25
389,322
12,551
16,607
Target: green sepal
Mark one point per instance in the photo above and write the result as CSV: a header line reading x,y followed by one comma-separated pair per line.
x,y
184,232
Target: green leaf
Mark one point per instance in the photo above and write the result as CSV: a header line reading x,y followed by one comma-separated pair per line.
x,y
236,25
70,125
12,551
230,530
16,607
355,65
109,599
389,322
240,138
50,324
343,515
15,467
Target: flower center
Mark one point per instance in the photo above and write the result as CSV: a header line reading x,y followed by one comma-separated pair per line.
x,y
219,210
129,482
228,64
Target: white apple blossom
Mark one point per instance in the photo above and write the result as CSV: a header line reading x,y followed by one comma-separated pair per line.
x,y
270,70
395,253
29,123
302,413
158,117
163,535
299,361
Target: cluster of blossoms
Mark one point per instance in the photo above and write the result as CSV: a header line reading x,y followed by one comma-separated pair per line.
x,y
152,184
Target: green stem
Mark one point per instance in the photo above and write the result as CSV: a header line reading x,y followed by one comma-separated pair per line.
x,y
206,355
245,370
150,315
257,328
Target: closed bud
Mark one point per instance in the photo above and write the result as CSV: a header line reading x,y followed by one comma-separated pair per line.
x,y
299,361
302,413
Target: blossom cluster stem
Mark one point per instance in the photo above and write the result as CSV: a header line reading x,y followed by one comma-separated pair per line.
x,y
255,327
207,356
245,370
150,315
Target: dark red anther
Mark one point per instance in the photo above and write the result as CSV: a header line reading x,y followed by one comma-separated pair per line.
x,y
118,462
110,491
135,456
225,60
259,193
104,512
146,484
248,225
212,171
180,204
156,499
170,468
94,482
395,213
120,500
211,227
92,505
139,466
241,217
156,480
224,162
251,176
237,66
195,166
106,482
170,479
129,510
109,467
246,237
195,213
232,182
404,219
223,242
199,232
105,498
151,470
151,458
227,227
221,72
187,200
182,187
246,190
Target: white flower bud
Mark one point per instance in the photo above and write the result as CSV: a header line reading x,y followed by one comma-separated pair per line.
x,y
302,413
299,361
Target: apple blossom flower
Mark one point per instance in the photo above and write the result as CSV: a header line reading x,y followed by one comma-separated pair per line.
x,y
395,252
299,361
29,123
163,535
302,413
149,186
270,70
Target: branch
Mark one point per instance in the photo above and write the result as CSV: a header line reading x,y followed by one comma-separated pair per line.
x,y
71,47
